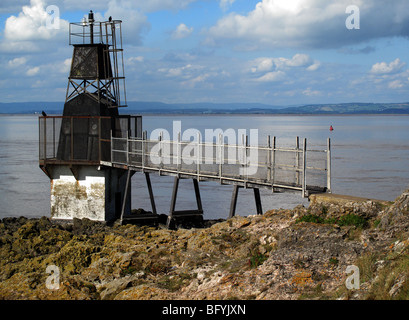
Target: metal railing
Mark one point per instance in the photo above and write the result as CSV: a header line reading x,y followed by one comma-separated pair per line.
x,y
82,139
269,166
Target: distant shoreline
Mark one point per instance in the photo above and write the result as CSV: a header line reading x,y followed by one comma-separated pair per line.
x,y
156,108
232,114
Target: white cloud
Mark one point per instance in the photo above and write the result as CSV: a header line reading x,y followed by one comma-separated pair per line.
x,y
182,31
262,65
397,84
195,81
32,71
309,23
314,66
16,62
184,72
388,68
132,60
31,24
225,4
33,30
299,60
272,76
66,66
311,93
136,22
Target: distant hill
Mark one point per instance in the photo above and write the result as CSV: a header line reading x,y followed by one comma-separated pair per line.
x,y
202,108
32,107
350,108
140,107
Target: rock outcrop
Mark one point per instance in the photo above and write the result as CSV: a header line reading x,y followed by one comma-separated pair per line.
x,y
284,254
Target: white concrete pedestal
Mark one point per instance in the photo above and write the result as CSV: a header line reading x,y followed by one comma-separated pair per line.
x,y
92,193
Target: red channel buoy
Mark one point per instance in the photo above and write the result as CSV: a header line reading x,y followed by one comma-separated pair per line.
x,y
331,128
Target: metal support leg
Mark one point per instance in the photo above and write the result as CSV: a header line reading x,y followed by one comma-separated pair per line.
x,y
148,182
258,201
174,196
127,187
197,193
234,197
184,213
173,201
234,201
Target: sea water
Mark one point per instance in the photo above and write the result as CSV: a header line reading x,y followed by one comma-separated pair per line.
x,y
370,157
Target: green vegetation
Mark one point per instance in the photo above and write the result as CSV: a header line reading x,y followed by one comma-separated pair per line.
x,y
257,259
352,220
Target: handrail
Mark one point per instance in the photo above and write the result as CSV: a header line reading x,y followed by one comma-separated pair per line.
x,y
167,156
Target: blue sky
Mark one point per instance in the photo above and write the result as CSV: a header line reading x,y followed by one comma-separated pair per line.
x,y
278,52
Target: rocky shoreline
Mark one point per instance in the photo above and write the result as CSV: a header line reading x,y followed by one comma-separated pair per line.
x,y
284,254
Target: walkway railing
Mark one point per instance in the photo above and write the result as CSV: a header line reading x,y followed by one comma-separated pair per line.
x,y
81,140
299,168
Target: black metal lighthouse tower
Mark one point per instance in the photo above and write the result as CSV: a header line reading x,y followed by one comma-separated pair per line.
x,y
73,146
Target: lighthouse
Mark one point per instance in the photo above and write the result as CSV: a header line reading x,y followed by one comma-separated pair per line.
x,y
74,146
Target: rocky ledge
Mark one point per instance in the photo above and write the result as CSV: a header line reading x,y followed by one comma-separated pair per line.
x,y
284,254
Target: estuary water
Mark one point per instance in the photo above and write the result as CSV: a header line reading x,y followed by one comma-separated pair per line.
x,y
370,158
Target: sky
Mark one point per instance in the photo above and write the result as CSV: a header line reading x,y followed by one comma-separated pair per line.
x,y
276,52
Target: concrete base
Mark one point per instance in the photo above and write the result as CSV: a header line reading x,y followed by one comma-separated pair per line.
x,y
93,193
